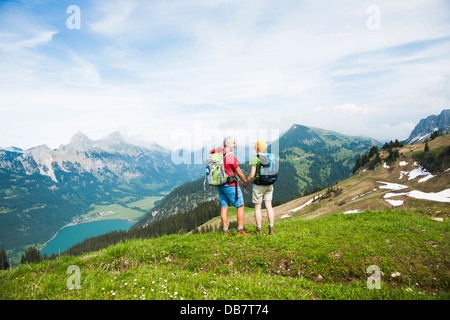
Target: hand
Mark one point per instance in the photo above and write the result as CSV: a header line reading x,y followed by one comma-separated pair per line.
x,y
246,185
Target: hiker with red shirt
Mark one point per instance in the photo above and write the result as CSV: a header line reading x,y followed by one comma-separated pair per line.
x,y
230,193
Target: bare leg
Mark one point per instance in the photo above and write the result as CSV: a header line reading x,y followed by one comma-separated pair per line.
x,y
240,216
270,213
258,213
224,216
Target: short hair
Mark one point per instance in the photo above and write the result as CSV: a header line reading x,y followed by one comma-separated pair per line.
x,y
260,146
226,140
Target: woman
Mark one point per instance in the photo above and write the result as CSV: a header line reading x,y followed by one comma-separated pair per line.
x,y
260,192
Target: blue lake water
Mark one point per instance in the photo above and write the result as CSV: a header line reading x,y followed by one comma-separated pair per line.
x,y
71,235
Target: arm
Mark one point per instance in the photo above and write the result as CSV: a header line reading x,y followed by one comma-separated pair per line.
x,y
240,174
235,166
251,175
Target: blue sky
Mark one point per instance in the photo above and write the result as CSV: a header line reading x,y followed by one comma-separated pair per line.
x,y
155,69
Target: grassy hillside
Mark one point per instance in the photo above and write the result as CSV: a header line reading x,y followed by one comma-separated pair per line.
x,y
323,258
363,190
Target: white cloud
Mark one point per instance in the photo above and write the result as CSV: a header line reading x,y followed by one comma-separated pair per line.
x,y
350,71
351,109
156,66
13,43
115,17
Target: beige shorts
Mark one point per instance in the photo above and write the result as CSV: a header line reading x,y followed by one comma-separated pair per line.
x,y
261,193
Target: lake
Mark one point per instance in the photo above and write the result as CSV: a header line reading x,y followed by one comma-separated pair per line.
x,y
71,235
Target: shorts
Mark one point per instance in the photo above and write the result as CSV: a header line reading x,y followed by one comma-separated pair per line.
x,y
261,192
227,196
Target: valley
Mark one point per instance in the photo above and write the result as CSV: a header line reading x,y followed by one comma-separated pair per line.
x,y
42,190
121,215
131,211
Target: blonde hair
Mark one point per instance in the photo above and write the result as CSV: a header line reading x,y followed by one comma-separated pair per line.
x,y
260,146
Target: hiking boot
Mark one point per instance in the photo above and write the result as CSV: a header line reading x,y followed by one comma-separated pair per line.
x,y
271,230
242,233
258,231
227,233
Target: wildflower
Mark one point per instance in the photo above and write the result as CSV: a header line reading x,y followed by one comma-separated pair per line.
x,y
143,288
395,274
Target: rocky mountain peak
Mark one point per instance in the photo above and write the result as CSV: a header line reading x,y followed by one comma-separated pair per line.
x,y
428,125
79,142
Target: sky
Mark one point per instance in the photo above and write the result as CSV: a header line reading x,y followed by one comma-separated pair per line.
x,y
189,72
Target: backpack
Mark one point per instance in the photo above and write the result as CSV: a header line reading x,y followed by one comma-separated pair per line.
x,y
268,173
215,170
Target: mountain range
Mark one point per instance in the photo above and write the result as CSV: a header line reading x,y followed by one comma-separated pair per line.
x,y
43,189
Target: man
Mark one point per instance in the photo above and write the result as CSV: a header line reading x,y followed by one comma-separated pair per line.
x,y
228,191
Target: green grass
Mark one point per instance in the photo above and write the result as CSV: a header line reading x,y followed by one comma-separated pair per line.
x,y
323,258
119,212
145,204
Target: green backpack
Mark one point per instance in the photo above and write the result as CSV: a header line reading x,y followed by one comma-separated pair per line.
x,y
215,170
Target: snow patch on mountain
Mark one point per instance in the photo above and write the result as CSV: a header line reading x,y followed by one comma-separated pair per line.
x,y
442,196
392,186
417,172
